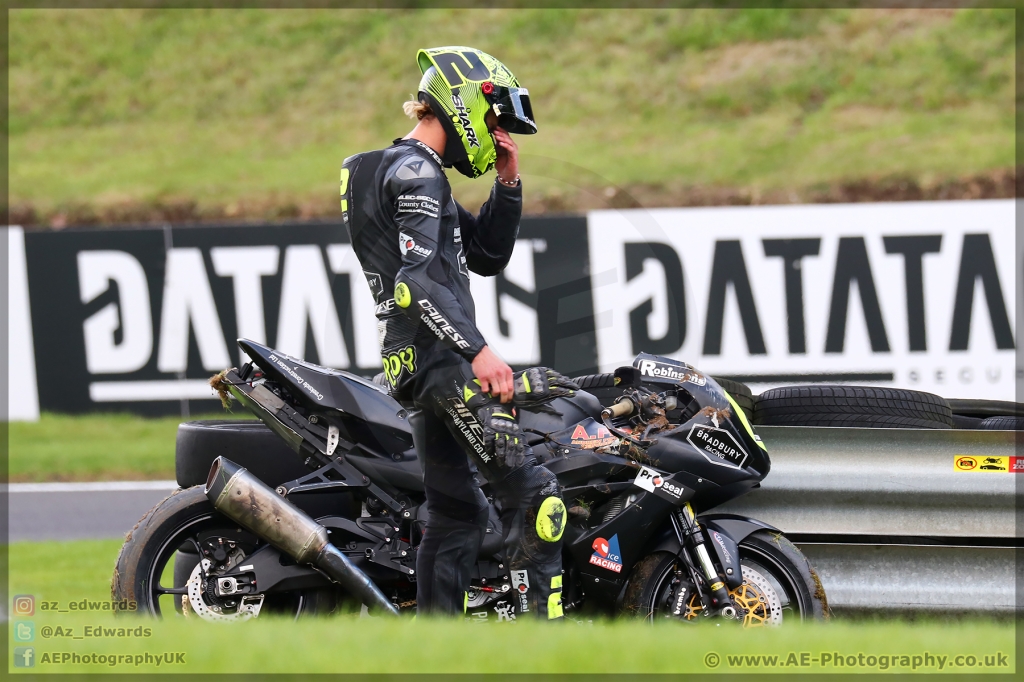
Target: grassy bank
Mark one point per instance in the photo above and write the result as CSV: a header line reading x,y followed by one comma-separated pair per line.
x,y
127,114
99,447
77,571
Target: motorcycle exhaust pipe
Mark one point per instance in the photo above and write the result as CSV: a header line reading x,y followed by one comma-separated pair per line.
x,y
252,504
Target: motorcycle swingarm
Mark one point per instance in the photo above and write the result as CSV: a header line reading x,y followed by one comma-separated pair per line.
x,y
272,576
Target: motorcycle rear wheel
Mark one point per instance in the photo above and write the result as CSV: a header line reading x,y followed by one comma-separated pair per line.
x,y
767,557
171,531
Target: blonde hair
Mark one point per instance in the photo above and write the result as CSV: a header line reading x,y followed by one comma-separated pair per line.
x,y
417,109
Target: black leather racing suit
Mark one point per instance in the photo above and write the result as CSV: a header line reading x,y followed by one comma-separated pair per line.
x,y
416,246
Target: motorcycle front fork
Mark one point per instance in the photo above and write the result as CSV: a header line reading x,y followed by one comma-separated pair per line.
x,y
708,582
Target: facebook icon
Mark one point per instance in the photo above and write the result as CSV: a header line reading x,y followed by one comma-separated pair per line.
x,y
24,657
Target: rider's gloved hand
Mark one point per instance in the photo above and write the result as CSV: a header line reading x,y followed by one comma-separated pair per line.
x,y
502,436
540,384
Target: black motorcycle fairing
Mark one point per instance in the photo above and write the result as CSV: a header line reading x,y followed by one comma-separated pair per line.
x,y
676,449
662,373
629,531
578,467
321,389
538,421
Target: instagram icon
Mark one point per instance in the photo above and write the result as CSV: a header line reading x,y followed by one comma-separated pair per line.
x,y
24,605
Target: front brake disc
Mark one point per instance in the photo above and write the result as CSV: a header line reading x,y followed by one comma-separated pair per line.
x,y
756,601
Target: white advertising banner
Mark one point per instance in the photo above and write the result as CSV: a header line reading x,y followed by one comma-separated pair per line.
x,y
912,295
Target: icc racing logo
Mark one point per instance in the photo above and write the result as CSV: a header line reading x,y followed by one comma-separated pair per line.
x,y
460,109
606,554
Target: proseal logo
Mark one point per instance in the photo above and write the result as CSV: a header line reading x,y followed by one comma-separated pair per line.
x,y
408,245
521,585
606,554
653,482
460,109
718,443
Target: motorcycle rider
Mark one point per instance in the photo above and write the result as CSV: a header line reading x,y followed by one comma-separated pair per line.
x,y
416,246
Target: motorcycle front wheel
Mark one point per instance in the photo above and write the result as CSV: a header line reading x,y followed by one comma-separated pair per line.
x,y
183,527
779,586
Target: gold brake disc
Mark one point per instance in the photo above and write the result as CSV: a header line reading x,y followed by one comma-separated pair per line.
x,y
755,600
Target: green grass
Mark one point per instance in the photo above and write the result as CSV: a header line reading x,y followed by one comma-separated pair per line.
x,y
95,447
243,111
76,571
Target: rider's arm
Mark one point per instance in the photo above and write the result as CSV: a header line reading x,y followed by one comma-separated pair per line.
x,y
421,285
489,238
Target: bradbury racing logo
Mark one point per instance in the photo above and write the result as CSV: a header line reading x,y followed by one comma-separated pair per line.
x,y
718,443
606,554
460,109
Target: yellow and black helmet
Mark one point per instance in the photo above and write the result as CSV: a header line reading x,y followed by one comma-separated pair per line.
x,y
461,84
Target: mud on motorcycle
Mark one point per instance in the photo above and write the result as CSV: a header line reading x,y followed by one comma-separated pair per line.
x,y
641,471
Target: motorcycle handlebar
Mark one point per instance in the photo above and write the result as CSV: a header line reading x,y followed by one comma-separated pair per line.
x,y
619,409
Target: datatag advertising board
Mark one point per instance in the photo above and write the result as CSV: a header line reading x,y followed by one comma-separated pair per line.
x,y
917,295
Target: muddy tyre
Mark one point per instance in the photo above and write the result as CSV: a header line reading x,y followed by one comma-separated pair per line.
x,y
771,565
159,537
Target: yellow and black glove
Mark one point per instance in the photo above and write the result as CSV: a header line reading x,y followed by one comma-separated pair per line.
x,y
539,385
502,435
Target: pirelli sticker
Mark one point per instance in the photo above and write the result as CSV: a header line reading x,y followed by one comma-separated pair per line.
x,y
984,463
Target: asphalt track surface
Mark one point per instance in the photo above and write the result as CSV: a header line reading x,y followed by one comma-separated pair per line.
x,y
80,511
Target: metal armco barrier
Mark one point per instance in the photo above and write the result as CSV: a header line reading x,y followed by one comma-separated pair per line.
x,y
887,520
882,578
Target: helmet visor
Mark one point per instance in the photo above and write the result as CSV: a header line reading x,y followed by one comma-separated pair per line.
x,y
515,114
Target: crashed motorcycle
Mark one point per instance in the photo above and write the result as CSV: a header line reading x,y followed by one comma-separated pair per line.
x,y
642,462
